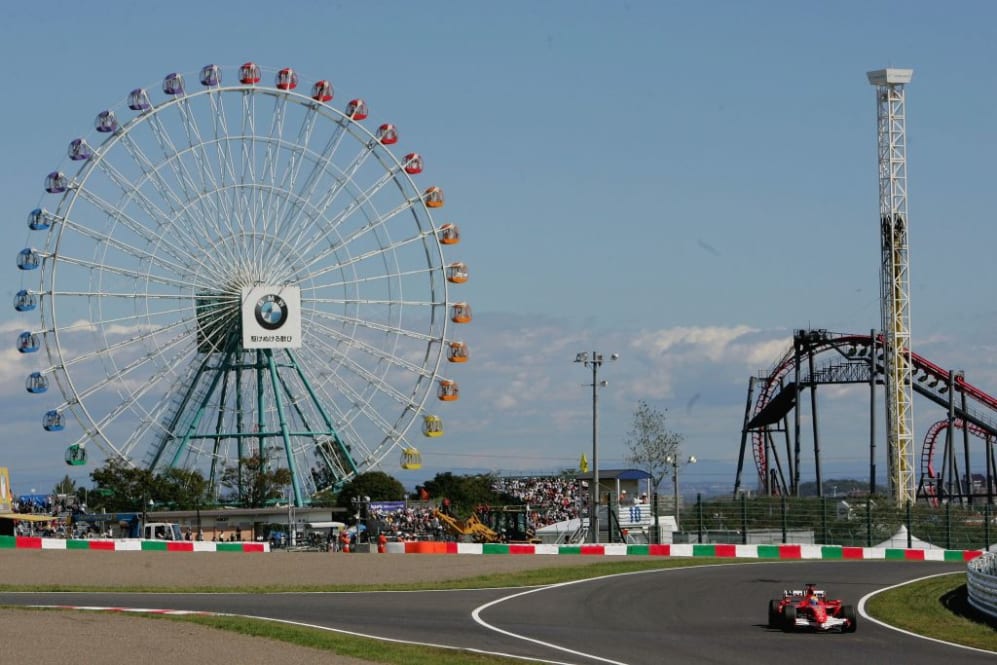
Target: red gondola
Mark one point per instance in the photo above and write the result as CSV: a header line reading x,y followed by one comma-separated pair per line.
x,y
249,73
322,91
287,79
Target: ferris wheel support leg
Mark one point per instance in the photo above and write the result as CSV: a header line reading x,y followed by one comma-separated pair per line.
x,y
201,409
288,452
185,400
343,450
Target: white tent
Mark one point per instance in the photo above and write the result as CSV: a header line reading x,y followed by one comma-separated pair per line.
x,y
899,541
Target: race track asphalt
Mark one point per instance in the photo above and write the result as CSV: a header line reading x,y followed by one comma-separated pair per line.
x,y
714,614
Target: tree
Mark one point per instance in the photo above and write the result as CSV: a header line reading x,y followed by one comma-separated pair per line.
x,y
120,488
651,444
253,484
466,492
65,486
378,485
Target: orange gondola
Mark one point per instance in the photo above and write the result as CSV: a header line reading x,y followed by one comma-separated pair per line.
x,y
457,352
448,391
449,234
457,273
433,197
460,312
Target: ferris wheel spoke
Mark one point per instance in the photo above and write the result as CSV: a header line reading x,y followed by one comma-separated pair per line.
x,y
372,225
171,155
132,194
363,406
322,166
138,276
376,353
134,400
132,225
378,327
374,380
296,159
370,254
342,181
152,173
271,156
359,201
123,371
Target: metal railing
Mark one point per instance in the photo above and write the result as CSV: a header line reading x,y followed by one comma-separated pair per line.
x,y
981,583
865,521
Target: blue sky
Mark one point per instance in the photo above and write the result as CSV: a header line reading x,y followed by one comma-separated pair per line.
x,y
682,183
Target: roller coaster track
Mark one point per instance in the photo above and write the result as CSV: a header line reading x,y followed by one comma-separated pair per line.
x,y
852,362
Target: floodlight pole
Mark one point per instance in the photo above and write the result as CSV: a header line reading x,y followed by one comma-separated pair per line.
x,y
594,361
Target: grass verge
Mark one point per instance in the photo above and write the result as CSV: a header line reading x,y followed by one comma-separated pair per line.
x,y
936,607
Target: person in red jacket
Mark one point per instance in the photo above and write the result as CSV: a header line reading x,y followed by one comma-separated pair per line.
x,y
382,543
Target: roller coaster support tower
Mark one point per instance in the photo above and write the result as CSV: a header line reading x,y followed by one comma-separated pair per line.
x,y
895,276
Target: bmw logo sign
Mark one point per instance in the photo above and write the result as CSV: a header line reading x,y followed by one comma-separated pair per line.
x,y
271,311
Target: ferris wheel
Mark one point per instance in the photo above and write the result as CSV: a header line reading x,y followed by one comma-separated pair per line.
x,y
229,271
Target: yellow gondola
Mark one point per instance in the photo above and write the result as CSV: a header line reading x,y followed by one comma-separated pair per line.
x,y
432,426
411,459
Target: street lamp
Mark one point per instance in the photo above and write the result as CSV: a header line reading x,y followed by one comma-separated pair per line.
x,y
594,361
674,461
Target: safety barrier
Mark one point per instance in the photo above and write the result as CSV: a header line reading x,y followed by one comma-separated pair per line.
x,y
981,583
127,545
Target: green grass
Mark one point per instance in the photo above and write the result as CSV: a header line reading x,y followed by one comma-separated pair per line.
x,y
936,607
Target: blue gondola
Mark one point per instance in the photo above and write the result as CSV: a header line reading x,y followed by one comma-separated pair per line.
x,y
25,301
53,421
36,383
27,342
28,259
39,219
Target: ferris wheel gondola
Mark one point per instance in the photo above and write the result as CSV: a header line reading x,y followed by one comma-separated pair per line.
x,y
239,270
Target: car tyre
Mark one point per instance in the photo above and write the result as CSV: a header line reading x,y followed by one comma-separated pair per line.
x,y
774,613
848,613
789,617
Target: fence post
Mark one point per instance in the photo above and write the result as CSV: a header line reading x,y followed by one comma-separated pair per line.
x,y
699,512
948,525
744,519
823,520
986,527
868,522
910,526
784,516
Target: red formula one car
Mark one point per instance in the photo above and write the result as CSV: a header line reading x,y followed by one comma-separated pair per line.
x,y
810,608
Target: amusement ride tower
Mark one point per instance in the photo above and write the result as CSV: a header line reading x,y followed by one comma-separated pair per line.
x,y
895,276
